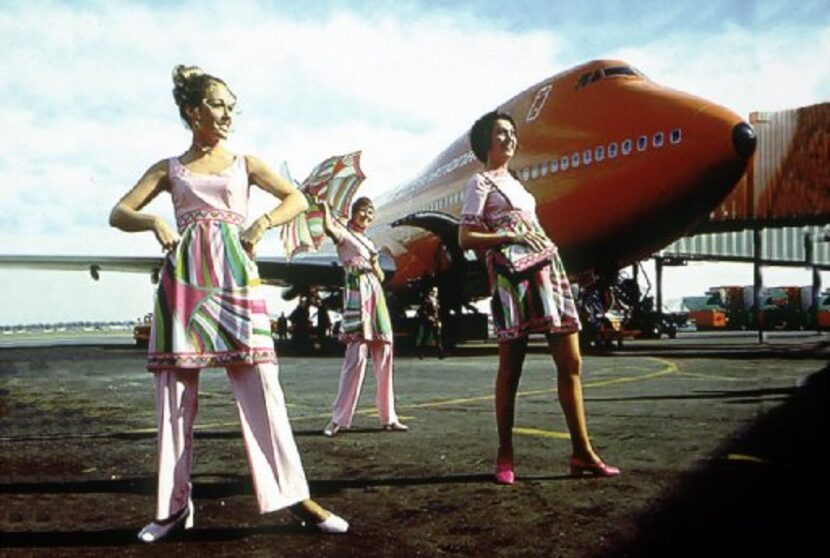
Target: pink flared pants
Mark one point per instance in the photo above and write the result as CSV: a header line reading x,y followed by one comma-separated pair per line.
x,y
277,471
351,381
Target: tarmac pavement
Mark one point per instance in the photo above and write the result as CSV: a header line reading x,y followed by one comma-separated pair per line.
x,y
718,438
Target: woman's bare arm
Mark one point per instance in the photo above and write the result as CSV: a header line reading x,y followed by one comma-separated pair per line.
x,y
293,202
127,214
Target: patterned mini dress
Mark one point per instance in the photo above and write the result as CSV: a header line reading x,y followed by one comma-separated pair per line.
x,y
210,308
365,314
537,300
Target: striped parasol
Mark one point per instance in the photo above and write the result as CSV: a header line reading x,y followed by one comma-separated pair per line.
x,y
334,181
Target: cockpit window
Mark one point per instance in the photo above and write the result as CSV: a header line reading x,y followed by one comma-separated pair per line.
x,y
621,71
590,77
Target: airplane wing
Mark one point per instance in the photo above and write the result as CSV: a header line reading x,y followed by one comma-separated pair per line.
x,y
322,270
300,273
93,264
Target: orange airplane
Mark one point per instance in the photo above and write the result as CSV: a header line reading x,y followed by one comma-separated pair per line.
x,y
619,165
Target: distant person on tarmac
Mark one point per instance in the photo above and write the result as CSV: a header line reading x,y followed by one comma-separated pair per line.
x,y
210,310
529,287
282,327
301,325
366,327
323,326
429,324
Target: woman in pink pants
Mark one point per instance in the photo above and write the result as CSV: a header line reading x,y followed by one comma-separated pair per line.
x,y
210,310
366,328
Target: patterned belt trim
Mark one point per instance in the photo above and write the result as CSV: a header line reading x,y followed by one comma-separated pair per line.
x,y
354,270
513,217
160,361
358,265
209,215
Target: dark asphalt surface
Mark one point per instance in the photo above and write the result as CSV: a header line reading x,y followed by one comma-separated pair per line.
x,y
719,438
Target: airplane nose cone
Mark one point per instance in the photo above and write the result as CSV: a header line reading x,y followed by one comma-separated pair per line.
x,y
744,139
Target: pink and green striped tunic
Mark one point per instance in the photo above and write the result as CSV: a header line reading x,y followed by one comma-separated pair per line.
x,y
365,315
210,309
538,300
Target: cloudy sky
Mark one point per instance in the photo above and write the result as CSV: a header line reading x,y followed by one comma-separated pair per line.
x,y
87,100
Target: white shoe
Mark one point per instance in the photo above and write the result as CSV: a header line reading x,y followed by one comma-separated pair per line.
x,y
157,530
396,426
331,429
333,524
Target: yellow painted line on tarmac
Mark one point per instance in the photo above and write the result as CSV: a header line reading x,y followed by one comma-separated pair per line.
x,y
446,402
541,433
195,427
372,413
669,368
744,457
711,377
95,435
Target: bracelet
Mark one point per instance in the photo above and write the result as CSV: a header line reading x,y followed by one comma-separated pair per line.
x,y
268,218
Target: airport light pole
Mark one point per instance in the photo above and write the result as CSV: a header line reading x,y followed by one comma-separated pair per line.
x,y
809,259
757,281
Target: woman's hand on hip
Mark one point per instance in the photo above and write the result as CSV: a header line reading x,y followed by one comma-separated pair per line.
x,y
535,240
251,236
167,237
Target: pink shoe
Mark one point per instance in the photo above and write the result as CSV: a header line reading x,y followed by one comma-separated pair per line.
x,y
598,469
504,471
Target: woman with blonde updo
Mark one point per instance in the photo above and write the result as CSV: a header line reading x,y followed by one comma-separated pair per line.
x,y
210,310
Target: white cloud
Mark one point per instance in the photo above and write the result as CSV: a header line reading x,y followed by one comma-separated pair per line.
x,y
742,69
87,100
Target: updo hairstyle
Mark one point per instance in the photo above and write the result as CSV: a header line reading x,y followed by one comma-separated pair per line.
x,y
190,85
481,134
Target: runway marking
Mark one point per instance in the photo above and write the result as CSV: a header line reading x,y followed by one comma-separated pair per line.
x,y
744,457
541,433
97,435
668,369
711,377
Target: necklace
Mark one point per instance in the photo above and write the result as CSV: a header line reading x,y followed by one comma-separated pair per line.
x,y
203,148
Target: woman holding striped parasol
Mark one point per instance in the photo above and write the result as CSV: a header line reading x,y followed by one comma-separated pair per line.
x,y
366,328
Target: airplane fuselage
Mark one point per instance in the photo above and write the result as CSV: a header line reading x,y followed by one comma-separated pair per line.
x,y
619,166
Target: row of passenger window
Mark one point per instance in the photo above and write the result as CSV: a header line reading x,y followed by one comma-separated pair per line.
x,y
585,157
598,154
443,203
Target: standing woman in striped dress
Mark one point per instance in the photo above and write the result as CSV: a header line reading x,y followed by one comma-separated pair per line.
x,y
210,310
499,212
366,328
